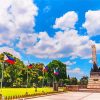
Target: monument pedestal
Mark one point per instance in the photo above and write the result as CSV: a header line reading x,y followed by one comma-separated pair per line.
x,y
94,81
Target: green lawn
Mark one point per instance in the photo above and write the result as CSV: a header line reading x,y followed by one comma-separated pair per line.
x,y
22,91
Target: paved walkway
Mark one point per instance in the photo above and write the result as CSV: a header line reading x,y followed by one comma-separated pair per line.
x,y
71,96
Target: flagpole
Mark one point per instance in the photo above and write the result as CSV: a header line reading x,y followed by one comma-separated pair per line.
x,y
27,77
2,76
27,82
53,78
43,79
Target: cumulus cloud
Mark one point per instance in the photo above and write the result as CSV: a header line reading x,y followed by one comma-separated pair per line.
x,y
11,51
76,72
67,43
69,63
98,47
45,47
16,19
20,24
67,21
24,15
92,22
90,61
26,41
63,44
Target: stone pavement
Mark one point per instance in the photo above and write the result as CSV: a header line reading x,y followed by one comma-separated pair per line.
x,y
71,96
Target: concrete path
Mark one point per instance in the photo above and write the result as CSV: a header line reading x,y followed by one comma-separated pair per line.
x,y
71,96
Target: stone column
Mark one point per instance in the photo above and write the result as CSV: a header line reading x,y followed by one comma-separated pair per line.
x,y
94,59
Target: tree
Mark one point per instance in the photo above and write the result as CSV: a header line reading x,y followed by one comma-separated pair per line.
x,y
1,57
12,73
67,81
73,81
37,74
84,80
16,75
61,68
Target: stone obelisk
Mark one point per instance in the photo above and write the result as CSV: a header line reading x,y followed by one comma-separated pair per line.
x,y
94,80
94,59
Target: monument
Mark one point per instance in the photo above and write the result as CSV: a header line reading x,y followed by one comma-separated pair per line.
x,y
94,80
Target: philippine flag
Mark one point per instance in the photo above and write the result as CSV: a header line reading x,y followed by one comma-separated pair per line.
x,y
9,59
30,66
56,72
45,68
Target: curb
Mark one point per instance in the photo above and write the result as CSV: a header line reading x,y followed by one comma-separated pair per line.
x,y
40,96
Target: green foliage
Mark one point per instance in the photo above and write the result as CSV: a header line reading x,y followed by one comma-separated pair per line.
x,y
73,81
67,82
13,76
1,57
16,75
84,80
61,68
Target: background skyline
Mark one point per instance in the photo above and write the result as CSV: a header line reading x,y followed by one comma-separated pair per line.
x,y
43,30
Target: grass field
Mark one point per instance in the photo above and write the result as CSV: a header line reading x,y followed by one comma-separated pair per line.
x,y
22,91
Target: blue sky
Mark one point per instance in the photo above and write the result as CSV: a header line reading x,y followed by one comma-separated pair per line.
x,y
43,30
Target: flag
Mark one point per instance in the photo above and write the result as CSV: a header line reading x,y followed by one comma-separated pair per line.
x,y
30,66
56,72
45,68
9,59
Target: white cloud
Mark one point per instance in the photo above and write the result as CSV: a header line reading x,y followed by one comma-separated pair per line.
x,y
76,72
17,21
11,51
92,23
63,44
98,47
16,17
67,21
24,15
67,43
90,61
69,63
27,40
45,47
